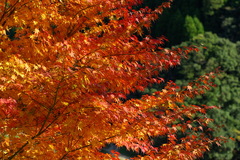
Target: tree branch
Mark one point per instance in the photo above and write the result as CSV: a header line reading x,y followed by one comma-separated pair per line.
x,y
42,129
18,151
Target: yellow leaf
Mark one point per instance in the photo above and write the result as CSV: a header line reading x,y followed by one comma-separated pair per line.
x,y
66,149
14,77
65,103
36,30
32,36
51,146
43,16
35,22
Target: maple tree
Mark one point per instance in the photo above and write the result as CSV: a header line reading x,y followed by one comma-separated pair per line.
x,y
65,74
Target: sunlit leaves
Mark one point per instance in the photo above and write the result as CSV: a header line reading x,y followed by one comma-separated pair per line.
x,y
66,72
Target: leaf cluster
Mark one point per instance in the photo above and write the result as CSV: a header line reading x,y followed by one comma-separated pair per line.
x,y
64,73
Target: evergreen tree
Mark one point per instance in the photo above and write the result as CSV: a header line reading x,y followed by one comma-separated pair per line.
x,y
210,6
180,21
215,52
192,27
199,25
218,52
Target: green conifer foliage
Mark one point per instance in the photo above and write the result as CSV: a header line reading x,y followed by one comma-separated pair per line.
x,y
171,22
192,27
199,25
210,6
219,52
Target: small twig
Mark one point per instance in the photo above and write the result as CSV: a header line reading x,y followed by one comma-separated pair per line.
x,y
85,146
18,151
43,127
50,110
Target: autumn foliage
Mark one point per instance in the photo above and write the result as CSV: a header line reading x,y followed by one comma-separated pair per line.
x,y
65,73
